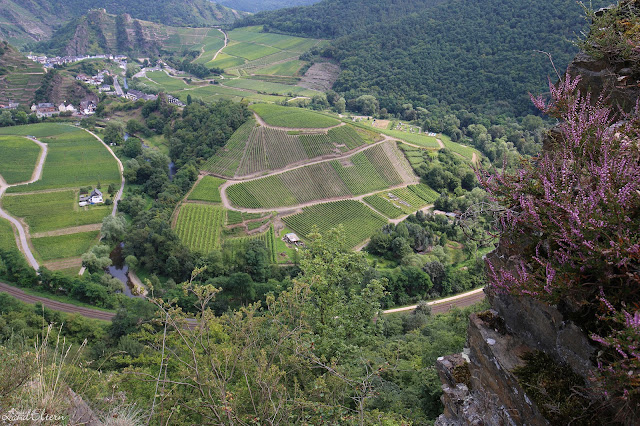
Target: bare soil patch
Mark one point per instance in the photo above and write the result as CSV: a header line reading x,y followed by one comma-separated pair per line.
x,y
381,124
320,76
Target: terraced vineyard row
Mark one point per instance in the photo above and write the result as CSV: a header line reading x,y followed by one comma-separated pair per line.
x,y
234,217
359,221
199,226
346,135
227,159
384,206
254,149
402,201
255,157
368,171
235,245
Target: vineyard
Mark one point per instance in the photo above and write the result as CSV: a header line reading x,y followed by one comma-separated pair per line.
x,y
227,159
399,202
280,116
234,217
239,245
199,226
254,149
19,156
371,170
74,159
207,190
359,221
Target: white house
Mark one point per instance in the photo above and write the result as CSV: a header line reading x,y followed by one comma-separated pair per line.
x,y
94,198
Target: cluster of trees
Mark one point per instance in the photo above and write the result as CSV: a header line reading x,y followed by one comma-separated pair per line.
x,y
425,264
96,289
185,64
311,354
203,129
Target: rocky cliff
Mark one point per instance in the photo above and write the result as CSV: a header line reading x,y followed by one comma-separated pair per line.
x,y
491,382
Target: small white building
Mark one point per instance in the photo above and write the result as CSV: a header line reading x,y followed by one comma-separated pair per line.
x,y
291,238
94,198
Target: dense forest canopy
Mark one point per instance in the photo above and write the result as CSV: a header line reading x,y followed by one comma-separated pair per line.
x,y
336,18
257,6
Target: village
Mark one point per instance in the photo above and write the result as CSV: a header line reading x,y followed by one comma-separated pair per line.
x,y
100,81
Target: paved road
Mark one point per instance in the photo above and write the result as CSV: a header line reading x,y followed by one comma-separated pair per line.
x,y
443,305
57,306
116,85
23,243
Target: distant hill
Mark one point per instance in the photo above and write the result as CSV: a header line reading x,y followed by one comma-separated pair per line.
x,y
24,21
469,53
20,77
336,18
98,32
260,5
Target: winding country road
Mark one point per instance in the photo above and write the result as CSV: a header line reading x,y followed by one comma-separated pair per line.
x,y
23,239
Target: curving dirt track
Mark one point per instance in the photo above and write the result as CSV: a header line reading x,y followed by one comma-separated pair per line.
x,y
58,306
23,236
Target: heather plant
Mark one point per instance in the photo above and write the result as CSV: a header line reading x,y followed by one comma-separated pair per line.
x,y
575,211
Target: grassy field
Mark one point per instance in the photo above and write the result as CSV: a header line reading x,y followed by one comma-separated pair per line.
x,y
199,226
463,150
7,238
19,156
414,138
207,190
64,246
289,68
53,210
359,221
280,116
167,82
75,158
214,92
271,88
367,171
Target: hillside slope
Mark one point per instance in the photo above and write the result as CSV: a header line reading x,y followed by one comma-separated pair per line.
x,y
336,18
25,21
19,77
260,5
467,52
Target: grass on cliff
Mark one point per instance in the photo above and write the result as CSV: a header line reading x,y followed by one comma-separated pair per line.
x,y
555,388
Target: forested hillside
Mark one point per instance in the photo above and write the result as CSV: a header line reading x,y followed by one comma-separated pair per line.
x,y
471,53
257,6
336,18
35,20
